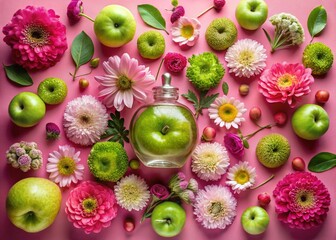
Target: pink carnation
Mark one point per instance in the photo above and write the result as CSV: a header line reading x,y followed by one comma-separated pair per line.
x,y
301,200
175,62
37,37
91,206
285,82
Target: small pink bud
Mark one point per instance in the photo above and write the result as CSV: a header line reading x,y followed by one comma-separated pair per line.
x,y
209,134
280,118
298,164
219,4
264,199
129,225
255,113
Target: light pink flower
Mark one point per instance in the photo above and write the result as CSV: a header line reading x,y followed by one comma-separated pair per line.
x,y
91,206
285,82
185,31
301,200
125,80
36,36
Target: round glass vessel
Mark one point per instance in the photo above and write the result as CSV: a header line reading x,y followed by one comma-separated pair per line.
x,y
163,134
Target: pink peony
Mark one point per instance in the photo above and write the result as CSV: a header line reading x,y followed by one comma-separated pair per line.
x,y
159,191
301,200
285,82
234,145
37,37
74,9
91,206
175,62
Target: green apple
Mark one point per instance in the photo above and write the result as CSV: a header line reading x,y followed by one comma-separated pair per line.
x,y
310,121
52,90
251,14
26,109
33,203
114,26
168,219
151,44
255,220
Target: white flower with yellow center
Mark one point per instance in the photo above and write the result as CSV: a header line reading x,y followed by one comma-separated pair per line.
x,y
227,112
241,177
185,31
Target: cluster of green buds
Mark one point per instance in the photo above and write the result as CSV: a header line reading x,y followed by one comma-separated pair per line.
x,y
183,188
24,155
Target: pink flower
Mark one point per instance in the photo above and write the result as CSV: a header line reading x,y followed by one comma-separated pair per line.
x,y
74,9
175,62
285,82
301,200
186,31
234,145
125,80
91,206
219,4
159,191
177,13
37,37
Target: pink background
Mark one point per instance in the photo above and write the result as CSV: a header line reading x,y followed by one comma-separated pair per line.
x,y
64,230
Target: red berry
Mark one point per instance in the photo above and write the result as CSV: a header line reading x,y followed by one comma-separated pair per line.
x,y
255,113
264,199
219,4
209,134
280,118
129,225
322,96
298,164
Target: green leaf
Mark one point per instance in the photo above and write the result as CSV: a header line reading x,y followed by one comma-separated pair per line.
x,y
191,97
317,20
18,74
82,49
207,100
246,144
152,16
116,129
225,88
322,161
267,36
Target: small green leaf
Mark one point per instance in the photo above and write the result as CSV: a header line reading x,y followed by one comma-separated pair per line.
x,y
317,20
152,16
225,88
207,100
322,161
267,36
191,97
18,74
246,144
82,49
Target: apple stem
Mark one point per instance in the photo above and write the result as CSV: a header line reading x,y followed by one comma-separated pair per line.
x,y
86,16
264,182
158,71
205,11
165,129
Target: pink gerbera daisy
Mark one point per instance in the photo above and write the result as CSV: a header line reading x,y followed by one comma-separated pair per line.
x,y
285,82
301,200
186,31
91,206
36,36
125,80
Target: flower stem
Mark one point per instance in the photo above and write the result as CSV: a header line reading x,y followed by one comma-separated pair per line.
x,y
158,71
264,182
85,74
166,31
74,74
205,11
86,16
247,137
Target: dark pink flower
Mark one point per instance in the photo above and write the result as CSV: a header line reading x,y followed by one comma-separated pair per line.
x,y
234,145
159,191
177,13
52,130
75,7
219,4
175,62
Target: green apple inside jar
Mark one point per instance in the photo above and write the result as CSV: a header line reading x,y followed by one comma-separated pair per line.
x,y
163,134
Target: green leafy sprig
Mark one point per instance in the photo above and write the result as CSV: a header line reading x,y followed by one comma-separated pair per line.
x,y
317,21
116,131
152,17
18,75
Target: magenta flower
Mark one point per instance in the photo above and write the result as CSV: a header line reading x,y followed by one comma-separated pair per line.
x,y
36,36
285,82
301,200
234,145
74,9
175,62
52,130
159,191
177,13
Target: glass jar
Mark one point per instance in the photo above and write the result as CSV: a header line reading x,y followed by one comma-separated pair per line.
x,y
163,134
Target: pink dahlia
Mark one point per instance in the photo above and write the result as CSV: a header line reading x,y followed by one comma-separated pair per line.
x,y
301,200
125,80
36,36
285,82
175,62
91,206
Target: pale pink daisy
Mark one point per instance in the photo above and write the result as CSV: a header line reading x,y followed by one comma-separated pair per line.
x,y
124,82
63,166
285,82
186,31
241,176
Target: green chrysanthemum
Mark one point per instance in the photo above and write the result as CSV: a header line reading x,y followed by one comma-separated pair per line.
x,y
318,57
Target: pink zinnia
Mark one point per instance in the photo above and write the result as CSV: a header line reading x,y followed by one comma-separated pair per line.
x,y
301,200
91,206
37,37
125,80
285,82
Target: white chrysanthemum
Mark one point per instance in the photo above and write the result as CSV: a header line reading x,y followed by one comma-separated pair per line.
x,y
132,193
227,112
63,166
241,177
85,120
210,161
215,207
246,58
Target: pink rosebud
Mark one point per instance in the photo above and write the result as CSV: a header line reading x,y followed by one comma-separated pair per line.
x,y
159,191
209,134
175,62
219,4
234,145
73,10
177,13
184,184
53,131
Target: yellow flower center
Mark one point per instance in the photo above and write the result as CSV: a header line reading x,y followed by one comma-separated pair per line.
x,y
242,177
246,57
66,166
209,161
124,83
217,210
35,36
305,199
187,31
286,80
227,112
89,205
130,193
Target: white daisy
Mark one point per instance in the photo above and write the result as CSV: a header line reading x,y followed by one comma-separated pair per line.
x,y
210,161
132,193
186,31
246,58
241,177
227,112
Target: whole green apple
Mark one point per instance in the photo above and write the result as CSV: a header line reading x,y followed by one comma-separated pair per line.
x,y
114,26
310,121
26,109
168,219
255,220
251,14
33,203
